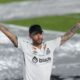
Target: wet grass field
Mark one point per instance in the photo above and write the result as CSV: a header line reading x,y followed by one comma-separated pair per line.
x,y
57,23
8,1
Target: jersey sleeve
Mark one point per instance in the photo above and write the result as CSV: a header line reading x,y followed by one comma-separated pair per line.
x,y
54,43
22,42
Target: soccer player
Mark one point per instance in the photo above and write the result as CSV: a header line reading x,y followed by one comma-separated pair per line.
x,y
38,55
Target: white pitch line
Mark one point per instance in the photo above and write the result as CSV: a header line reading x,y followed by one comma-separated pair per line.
x,y
26,28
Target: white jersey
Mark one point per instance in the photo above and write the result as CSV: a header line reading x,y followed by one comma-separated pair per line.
x,y
38,62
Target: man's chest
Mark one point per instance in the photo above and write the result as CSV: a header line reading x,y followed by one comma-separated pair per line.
x,y
38,56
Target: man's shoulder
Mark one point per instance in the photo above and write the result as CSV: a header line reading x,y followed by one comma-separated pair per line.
x,y
55,40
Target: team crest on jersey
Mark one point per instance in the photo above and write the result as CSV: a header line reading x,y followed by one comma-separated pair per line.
x,y
48,51
35,60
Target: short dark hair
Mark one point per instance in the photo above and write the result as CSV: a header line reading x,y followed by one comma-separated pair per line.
x,y
35,29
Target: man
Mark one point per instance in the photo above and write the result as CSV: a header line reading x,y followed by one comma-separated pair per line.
x,y
38,55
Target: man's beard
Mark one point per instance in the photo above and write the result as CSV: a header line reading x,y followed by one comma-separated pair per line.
x,y
38,42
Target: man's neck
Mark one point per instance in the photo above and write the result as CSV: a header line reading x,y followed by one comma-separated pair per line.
x,y
37,45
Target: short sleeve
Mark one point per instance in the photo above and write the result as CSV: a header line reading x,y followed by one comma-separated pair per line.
x,y
22,42
54,43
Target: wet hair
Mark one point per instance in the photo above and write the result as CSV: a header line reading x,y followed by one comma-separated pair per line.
x,y
34,29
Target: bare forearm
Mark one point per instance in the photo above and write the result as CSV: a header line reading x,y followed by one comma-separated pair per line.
x,y
70,33
9,34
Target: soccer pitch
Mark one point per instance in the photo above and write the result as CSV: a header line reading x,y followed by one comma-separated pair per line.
x,y
67,58
57,23
8,1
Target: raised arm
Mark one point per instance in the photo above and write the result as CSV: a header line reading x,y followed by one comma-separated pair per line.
x,y
9,34
70,33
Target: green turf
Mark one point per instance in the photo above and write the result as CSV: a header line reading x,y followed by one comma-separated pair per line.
x,y
7,1
59,23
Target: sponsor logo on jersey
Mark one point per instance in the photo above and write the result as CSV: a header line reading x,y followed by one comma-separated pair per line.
x,y
41,60
44,59
35,60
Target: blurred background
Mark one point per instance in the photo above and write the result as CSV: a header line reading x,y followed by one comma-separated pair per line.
x,y
56,17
